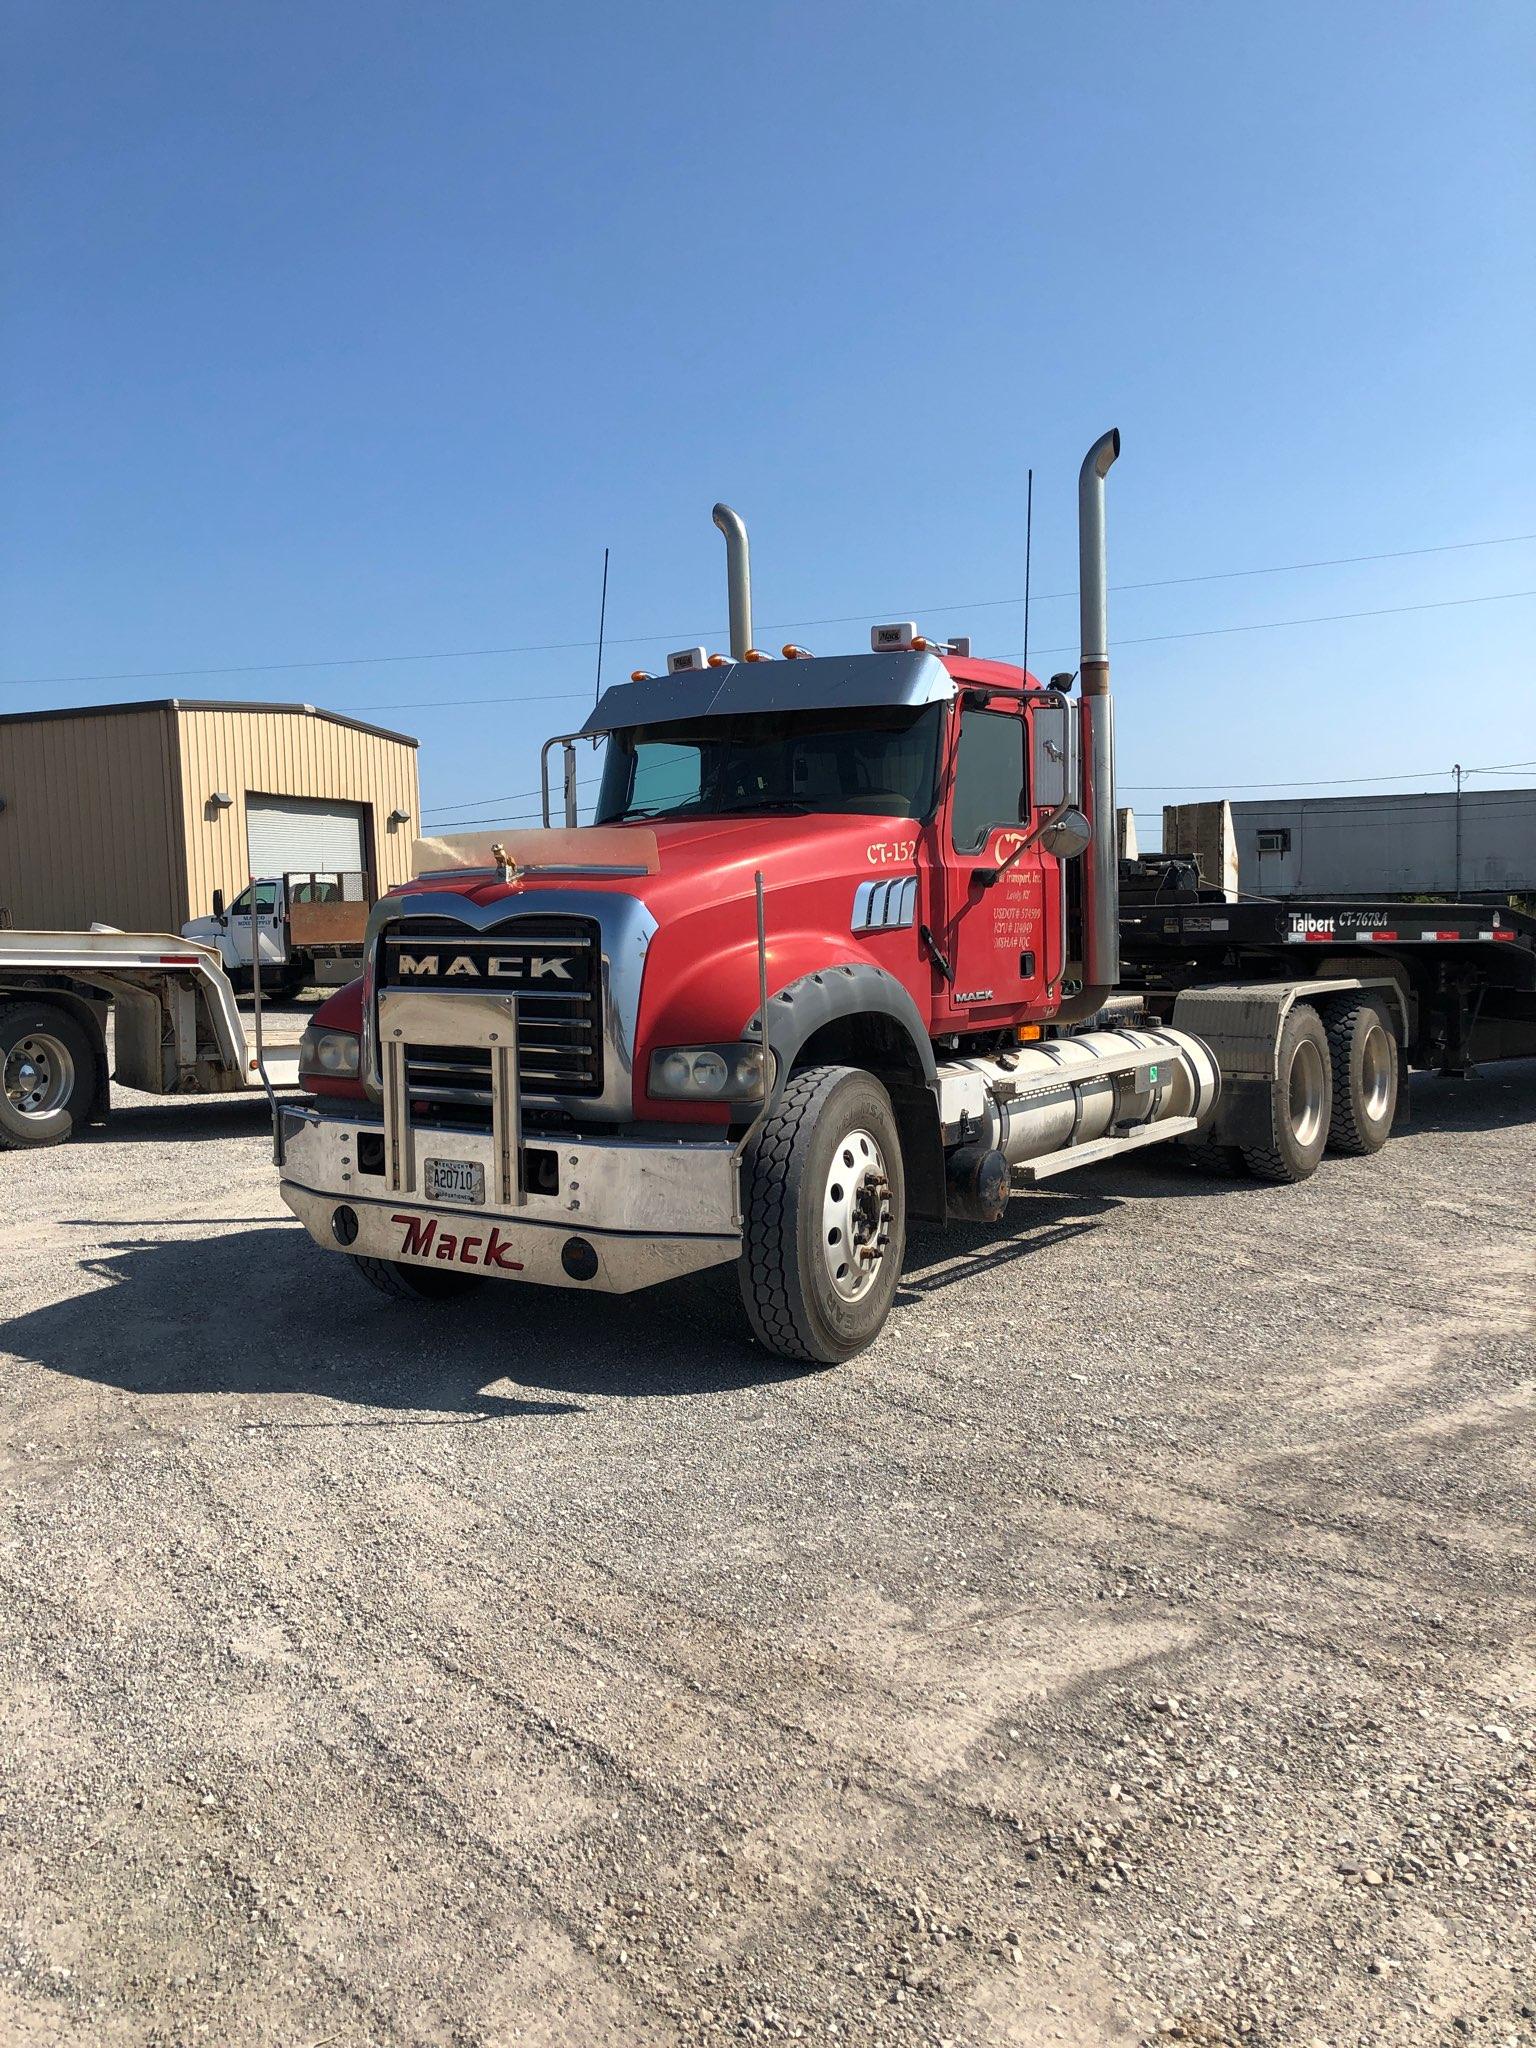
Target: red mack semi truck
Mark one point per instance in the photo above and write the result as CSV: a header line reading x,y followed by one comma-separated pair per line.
x,y
844,946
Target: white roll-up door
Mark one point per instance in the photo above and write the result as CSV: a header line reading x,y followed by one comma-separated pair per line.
x,y
304,835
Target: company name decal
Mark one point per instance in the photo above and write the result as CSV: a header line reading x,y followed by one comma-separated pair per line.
x,y
496,967
423,1240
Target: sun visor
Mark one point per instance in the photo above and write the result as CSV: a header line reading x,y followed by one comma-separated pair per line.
x,y
837,682
579,850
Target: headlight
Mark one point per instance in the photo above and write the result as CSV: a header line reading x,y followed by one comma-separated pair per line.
x,y
708,1073
328,1052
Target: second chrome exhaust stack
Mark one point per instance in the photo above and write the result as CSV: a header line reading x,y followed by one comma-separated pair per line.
x,y
1101,863
738,578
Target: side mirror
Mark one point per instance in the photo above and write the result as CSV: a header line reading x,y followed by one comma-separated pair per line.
x,y
218,906
1054,767
1069,836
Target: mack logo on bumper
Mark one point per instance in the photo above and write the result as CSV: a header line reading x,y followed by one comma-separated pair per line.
x,y
423,1240
519,968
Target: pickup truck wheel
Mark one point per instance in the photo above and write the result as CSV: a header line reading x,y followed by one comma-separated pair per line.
x,y
825,1217
49,1075
1363,1049
415,1283
1303,1101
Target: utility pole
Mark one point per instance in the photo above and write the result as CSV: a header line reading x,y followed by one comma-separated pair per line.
x,y
1456,771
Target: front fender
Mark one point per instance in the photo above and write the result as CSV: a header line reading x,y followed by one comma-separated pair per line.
x,y
853,988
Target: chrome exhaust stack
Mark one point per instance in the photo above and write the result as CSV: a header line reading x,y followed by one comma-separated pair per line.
x,y
1101,864
738,578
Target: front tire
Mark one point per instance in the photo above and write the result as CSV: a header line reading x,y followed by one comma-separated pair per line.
x,y
1302,1102
47,1076
825,1217
415,1283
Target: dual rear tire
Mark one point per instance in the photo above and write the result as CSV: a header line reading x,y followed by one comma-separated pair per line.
x,y
1335,1088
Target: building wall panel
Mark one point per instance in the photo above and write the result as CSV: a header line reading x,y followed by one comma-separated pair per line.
x,y
285,753
1426,844
88,833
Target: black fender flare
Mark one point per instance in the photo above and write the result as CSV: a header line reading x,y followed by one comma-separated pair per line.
x,y
856,991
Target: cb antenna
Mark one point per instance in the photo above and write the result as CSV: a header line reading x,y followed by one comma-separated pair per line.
x,y
1029,535
602,622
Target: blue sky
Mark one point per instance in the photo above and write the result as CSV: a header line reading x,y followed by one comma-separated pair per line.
x,y
337,330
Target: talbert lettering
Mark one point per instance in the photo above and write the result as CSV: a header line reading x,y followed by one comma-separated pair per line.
x,y
423,1240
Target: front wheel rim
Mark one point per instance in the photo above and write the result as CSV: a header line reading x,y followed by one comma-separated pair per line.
x,y
856,1215
39,1075
1308,1089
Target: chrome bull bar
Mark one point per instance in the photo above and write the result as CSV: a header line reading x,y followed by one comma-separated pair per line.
x,y
481,1022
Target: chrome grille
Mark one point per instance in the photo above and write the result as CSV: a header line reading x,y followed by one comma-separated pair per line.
x,y
553,965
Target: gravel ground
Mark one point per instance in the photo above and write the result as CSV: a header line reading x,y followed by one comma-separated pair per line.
x,y
1135,1645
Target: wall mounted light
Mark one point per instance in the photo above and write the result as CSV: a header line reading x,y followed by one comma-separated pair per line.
x,y
399,817
220,799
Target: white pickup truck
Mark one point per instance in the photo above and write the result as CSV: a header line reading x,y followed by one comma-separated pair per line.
x,y
310,928
176,1029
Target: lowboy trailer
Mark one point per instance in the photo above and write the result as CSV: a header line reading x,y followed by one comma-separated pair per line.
x,y
176,1029
847,943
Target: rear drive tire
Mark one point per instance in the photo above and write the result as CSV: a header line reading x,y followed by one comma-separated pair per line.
x,y
47,1076
1362,1047
1302,1102
416,1283
825,1217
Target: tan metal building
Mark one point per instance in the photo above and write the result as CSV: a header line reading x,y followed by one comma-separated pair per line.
x,y
133,814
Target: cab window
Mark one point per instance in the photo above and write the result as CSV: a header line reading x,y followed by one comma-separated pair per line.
x,y
989,777
266,901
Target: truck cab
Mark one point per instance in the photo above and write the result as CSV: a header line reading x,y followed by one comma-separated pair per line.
x,y
306,927
790,987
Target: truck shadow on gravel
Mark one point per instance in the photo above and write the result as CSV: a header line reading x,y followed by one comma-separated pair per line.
x,y
260,1313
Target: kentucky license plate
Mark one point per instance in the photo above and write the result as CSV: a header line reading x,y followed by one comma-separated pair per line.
x,y
455,1180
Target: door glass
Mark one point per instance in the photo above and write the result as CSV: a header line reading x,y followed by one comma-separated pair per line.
x,y
989,777
266,898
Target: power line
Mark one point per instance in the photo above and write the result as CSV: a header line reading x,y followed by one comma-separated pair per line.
x,y
1141,640
155,675
517,795
1332,781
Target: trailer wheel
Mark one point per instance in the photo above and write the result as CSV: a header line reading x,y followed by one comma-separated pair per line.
x,y
49,1075
415,1283
1302,1101
1362,1048
825,1217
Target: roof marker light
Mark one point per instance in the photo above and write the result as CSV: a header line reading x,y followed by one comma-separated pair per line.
x,y
897,639
756,654
641,675
794,653
719,661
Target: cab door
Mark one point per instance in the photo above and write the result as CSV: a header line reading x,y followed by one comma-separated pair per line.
x,y
993,935
268,923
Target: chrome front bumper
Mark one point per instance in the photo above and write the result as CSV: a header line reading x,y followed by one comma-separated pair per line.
x,y
644,1210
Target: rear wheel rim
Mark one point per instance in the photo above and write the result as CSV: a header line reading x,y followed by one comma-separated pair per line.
x,y
1376,1066
856,1215
39,1075
1307,1093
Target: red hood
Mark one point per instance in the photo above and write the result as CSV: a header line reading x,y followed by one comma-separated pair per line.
x,y
701,973
786,848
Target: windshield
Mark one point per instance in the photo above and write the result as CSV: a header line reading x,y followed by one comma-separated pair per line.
x,y
881,760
